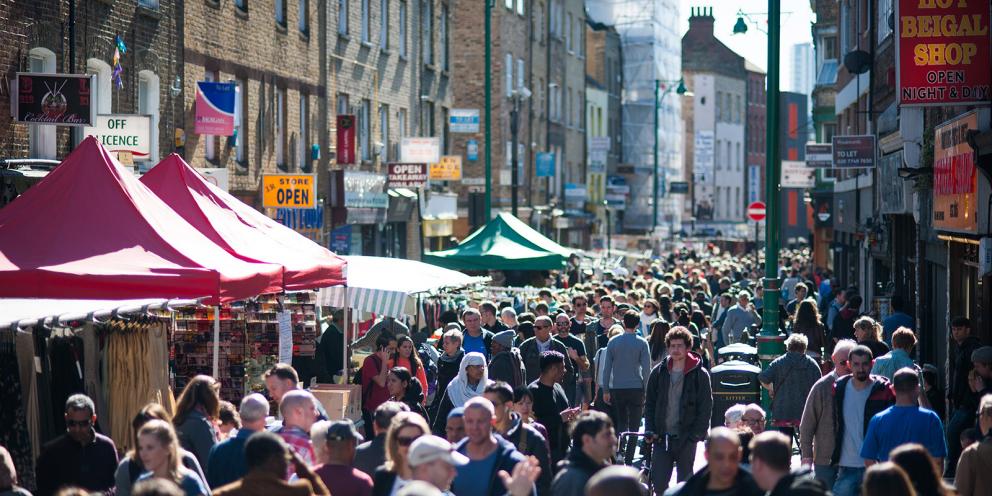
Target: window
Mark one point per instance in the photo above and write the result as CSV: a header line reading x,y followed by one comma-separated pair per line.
x,y
568,33
209,142
520,7
240,4
401,128
718,163
42,139
427,31
365,129
580,38
149,4
343,17
509,5
427,119
730,157
280,6
384,24
281,128
884,11
241,122
444,130
570,111
402,33
304,141
738,115
829,46
719,106
553,18
508,68
444,37
343,104
520,74
148,96
737,155
366,20
304,17
384,131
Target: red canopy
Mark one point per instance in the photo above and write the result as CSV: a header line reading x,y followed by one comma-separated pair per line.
x,y
242,230
92,230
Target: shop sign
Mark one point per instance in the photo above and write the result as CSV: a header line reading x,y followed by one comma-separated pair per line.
x,y
795,174
340,240
365,190
942,52
406,175
616,192
124,133
753,183
54,99
678,188
435,228
215,104
345,145
819,155
307,221
702,155
217,176
289,190
597,161
449,168
599,144
955,181
420,150
463,121
472,150
544,165
853,152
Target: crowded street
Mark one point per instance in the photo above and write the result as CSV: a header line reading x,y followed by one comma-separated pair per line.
x,y
495,248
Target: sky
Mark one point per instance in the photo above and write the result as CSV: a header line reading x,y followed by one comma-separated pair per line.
x,y
754,45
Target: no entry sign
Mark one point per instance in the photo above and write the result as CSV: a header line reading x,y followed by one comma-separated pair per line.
x,y
756,211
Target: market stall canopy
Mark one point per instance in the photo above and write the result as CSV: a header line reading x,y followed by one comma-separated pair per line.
x,y
92,230
29,311
387,286
505,243
242,230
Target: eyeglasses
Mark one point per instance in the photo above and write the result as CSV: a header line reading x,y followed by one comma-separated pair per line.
x,y
79,423
753,420
541,326
562,322
406,441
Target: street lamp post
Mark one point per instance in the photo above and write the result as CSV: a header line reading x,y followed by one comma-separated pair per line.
x,y
487,63
518,96
680,90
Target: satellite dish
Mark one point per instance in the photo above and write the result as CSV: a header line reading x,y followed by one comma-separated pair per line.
x,y
857,62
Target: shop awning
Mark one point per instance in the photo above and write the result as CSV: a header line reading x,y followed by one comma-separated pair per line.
x,y
242,230
387,286
505,243
90,229
27,311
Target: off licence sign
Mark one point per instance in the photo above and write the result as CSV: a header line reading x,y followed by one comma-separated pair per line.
x,y
289,191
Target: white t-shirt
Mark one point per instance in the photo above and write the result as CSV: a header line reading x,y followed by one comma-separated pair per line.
x,y
854,425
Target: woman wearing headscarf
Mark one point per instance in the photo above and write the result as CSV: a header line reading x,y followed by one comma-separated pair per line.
x,y
472,379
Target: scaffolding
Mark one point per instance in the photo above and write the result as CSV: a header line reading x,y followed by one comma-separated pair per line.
x,y
652,51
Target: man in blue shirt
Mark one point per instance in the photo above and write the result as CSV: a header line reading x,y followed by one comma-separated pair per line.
x,y
226,462
903,341
476,337
904,422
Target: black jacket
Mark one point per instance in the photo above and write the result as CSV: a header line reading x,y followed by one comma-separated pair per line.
x,y
881,397
574,472
506,458
958,391
799,483
508,366
382,481
696,485
531,355
447,369
414,399
695,407
529,441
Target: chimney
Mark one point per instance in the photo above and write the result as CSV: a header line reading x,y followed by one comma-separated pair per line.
x,y
701,18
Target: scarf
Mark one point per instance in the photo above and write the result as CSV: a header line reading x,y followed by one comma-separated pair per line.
x,y
459,391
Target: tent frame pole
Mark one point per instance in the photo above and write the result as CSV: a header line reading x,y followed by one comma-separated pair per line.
x,y
217,341
345,341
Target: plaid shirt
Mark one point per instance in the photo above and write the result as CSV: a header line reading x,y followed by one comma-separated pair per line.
x,y
299,441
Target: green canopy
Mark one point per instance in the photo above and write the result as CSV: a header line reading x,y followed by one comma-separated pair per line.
x,y
505,243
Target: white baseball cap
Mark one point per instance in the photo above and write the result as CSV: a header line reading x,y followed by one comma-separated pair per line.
x,y
427,449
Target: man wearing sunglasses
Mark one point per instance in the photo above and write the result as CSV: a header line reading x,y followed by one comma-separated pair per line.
x,y
576,354
543,340
81,457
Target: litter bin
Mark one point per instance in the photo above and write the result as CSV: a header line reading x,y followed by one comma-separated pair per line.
x,y
738,351
733,382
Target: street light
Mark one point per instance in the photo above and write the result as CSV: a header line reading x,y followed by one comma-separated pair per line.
x,y
681,90
516,96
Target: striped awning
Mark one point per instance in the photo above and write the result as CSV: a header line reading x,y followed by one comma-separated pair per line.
x,y
388,286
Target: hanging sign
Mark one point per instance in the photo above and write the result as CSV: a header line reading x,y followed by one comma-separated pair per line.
x,y
853,152
407,175
420,150
819,155
544,166
795,174
285,324
463,121
54,99
124,133
472,150
289,190
448,169
340,240
346,139
215,108
955,178
943,52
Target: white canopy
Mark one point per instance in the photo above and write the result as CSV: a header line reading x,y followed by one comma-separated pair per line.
x,y
27,311
384,286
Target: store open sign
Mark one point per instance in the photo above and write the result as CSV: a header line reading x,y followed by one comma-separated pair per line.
x,y
288,191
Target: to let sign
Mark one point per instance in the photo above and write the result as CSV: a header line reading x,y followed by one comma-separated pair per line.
x,y
942,52
407,175
819,155
852,152
289,191
955,182
54,99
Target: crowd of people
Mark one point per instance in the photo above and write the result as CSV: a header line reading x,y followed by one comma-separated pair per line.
x,y
567,393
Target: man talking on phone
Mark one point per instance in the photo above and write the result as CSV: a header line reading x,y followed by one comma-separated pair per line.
x,y
551,405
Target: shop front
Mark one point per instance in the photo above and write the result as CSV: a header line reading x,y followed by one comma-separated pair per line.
x,y
359,207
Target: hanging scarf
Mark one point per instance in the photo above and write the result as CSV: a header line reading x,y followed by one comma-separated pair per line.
x,y
459,391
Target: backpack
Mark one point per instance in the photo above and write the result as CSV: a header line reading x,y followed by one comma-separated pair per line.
x,y
430,370
366,388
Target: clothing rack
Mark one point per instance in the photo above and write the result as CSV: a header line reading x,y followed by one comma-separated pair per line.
x,y
57,320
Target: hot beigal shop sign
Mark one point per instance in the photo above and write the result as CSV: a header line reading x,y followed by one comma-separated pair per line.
x,y
943,52
55,99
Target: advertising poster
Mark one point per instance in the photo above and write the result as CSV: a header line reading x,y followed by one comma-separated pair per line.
x,y
55,99
955,179
345,139
215,108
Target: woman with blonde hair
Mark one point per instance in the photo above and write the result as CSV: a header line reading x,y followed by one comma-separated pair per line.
x,y
868,332
131,466
405,428
197,409
158,448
